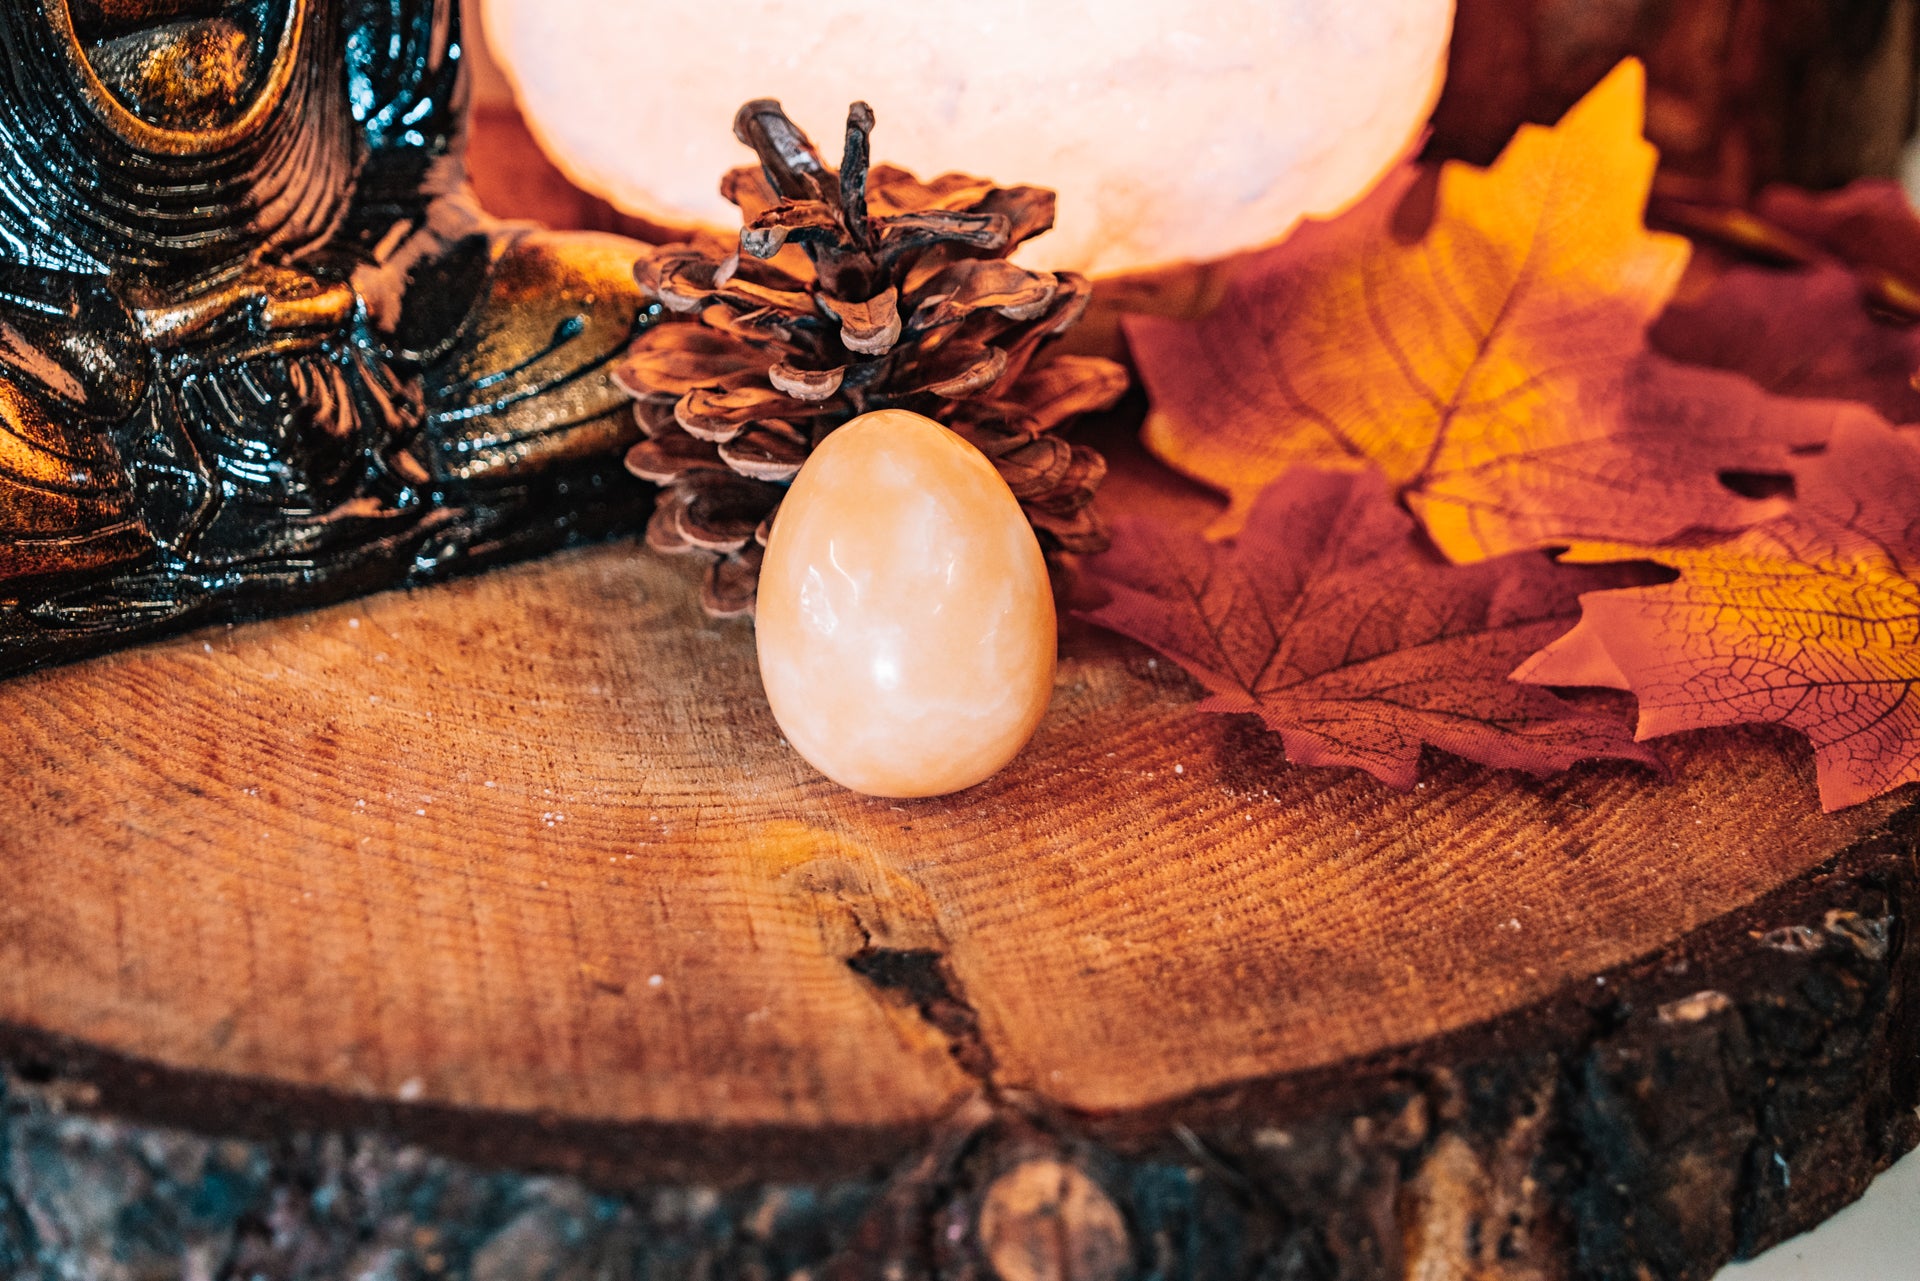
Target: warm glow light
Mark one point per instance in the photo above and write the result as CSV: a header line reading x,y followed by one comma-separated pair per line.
x,y
1170,130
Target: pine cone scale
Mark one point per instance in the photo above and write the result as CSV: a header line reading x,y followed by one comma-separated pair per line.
x,y
1036,468
677,359
869,327
806,384
720,414
665,459
732,582
766,452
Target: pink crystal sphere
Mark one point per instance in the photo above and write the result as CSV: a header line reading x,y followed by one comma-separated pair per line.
x,y
905,622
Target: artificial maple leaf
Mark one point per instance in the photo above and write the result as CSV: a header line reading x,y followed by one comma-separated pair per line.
x,y
1796,332
1333,623
1811,620
1868,224
1496,370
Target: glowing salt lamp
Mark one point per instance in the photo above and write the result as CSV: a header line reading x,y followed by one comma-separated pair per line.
x,y
1170,130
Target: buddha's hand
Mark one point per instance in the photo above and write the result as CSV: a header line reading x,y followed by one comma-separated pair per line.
x,y
255,306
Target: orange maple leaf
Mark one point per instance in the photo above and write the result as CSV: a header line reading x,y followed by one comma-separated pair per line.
x,y
1811,620
1496,370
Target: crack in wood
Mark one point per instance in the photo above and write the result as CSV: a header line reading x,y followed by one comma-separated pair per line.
x,y
922,978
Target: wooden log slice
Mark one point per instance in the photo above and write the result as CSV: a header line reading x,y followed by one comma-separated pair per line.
x,y
518,871
520,868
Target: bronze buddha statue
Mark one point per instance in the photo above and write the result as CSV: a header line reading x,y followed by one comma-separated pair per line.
x,y
258,348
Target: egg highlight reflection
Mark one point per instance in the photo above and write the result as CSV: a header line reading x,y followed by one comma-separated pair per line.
x,y
904,620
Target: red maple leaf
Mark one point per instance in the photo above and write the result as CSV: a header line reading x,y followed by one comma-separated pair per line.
x,y
1811,620
1333,622
1868,224
1799,332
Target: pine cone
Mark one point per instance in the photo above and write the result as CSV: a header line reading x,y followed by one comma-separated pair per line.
x,y
848,292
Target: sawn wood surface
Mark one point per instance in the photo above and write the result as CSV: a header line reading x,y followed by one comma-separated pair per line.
x,y
532,843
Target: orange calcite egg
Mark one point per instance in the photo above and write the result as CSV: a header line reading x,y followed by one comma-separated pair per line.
x,y
905,622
